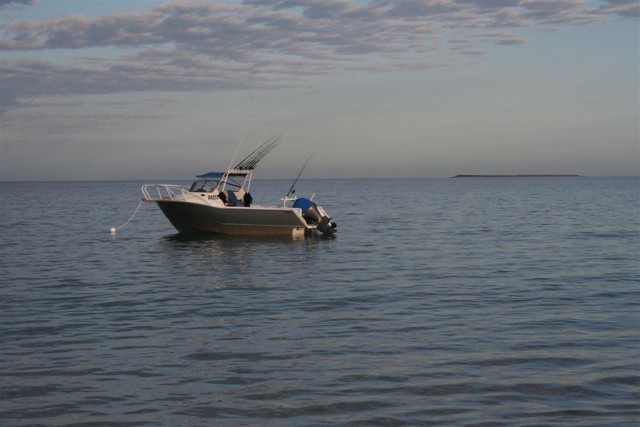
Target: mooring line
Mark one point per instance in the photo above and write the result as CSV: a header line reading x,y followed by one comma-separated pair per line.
x,y
113,230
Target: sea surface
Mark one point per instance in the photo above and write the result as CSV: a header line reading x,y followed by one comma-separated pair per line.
x,y
479,302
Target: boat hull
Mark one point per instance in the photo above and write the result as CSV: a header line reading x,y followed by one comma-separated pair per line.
x,y
192,218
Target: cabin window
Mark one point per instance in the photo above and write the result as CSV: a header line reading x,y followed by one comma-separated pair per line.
x,y
204,186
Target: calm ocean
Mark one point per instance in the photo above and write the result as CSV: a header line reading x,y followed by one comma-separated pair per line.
x,y
481,302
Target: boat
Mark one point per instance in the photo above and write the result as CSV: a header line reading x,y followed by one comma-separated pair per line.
x,y
221,203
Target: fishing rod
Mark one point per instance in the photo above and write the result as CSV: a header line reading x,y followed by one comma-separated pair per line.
x,y
258,154
299,173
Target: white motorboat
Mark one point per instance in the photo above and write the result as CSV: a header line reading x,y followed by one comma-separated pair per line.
x,y
220,202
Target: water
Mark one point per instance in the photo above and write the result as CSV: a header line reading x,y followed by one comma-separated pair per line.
x,y
440,302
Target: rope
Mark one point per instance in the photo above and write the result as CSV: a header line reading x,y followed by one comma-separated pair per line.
x,y
114,229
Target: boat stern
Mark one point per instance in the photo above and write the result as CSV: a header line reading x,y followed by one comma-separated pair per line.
x,y
316,215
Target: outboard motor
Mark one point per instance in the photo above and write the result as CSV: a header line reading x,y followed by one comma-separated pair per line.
x,y
314,214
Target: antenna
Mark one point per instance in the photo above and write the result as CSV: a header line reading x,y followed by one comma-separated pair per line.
x,y
291,190
238,147
226,176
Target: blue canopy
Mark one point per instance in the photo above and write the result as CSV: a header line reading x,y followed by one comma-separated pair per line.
x,y
212,175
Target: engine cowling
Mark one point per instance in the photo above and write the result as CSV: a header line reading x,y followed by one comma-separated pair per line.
x,y
315,216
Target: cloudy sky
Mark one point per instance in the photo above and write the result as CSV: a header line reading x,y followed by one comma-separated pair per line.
x,y
144,89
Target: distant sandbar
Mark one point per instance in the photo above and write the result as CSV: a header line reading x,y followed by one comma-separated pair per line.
x,y
514,176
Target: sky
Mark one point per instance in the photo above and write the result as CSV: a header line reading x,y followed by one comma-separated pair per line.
x,y
155,89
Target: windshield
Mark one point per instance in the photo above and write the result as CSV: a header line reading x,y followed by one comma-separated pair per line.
x,y
204,185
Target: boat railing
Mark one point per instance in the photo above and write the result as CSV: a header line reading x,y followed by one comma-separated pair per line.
x,y
287,201
154,192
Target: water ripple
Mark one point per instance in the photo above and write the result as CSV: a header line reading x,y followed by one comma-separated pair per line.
x,y
477,303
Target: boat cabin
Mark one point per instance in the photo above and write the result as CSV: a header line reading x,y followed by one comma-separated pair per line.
x,y
206,183
231,187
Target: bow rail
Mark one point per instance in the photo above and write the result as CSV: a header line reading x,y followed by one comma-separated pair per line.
x,y
155,192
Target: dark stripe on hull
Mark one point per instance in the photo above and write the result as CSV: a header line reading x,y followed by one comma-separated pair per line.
x,y
195,218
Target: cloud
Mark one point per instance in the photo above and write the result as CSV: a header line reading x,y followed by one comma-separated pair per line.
x,y
8,3
625,8
504,39
263,44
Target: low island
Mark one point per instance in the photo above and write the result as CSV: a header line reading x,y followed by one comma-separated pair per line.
x,y
515,176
